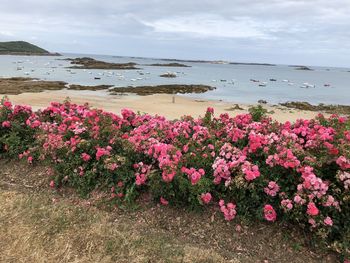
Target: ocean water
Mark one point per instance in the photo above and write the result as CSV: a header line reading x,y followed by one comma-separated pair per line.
x,y
233,82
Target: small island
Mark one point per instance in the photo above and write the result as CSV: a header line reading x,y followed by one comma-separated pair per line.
x,y
23,48
173,64
162,89
90,63
300,67
252,64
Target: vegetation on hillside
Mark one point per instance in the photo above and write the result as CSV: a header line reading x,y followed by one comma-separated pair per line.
x,y
18,47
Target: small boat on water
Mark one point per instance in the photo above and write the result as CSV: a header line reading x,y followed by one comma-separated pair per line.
x,y
254,80
306,85
327,85
97,78
273,79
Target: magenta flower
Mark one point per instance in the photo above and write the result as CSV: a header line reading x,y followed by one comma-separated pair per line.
x,y
206,198
270,213
312,210
6,124
163,201
85,157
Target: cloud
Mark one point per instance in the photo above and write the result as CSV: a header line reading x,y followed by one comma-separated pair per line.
x,y
6,33
208,26
276,30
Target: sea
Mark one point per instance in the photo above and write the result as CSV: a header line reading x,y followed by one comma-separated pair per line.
x,y
238,83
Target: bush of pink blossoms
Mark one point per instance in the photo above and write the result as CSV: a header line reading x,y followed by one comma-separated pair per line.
x,y
265,170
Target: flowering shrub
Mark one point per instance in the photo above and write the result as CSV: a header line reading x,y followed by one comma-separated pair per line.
x,y
267,170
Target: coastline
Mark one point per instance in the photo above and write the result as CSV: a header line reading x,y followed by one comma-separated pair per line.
x,y
157,104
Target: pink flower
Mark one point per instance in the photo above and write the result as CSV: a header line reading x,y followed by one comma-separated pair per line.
x,y
228,210
85,157
312,210
251,171
101,152
269,213
210,110
312,222
163,201
328,221
287,204
185,148
168,177
298,200
112,166
30,159
140,179
193,174
206,198
6,124
272,188
7,104
52,184
238,228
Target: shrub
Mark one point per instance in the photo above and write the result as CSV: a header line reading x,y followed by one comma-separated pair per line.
x,y
257,112
263,170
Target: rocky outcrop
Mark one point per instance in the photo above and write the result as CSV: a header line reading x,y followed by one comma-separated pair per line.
x,y
163,89
90,63
174,64
302,105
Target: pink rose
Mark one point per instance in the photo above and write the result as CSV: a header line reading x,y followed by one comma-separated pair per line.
x,y
206,198
270,213
328,221
85,157
52,184
163,201
6,124
312,210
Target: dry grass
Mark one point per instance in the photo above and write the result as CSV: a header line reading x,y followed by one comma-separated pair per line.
x,y
41,225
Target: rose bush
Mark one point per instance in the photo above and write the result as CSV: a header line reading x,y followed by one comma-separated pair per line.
x,y
298,172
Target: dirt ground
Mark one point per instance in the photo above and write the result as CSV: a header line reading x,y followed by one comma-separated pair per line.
x,y
39,224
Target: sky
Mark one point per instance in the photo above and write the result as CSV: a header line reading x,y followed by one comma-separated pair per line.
x,y
302,32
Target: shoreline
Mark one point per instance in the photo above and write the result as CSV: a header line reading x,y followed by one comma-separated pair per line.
x,y
156,104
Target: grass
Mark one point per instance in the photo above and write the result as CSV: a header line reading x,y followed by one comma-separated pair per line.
x,y
38,224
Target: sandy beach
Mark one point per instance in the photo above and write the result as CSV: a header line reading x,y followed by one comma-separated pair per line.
x,y
161,104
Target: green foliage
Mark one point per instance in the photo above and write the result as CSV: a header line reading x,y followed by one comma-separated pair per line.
x,y
20,47
258,112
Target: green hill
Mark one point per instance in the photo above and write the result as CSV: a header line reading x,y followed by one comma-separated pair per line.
x,y
22,47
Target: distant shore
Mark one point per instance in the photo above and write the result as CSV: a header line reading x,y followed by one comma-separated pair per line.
x,y
29,54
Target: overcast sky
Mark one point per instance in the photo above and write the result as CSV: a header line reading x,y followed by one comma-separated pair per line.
x,y
310,32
